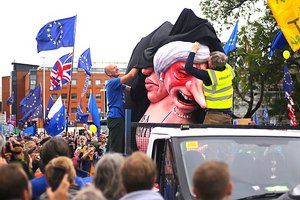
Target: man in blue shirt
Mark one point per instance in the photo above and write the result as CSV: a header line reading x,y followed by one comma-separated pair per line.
x,y
116,112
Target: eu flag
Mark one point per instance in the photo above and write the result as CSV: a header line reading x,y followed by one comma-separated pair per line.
x,y
93,109
231,43
85,61
10,100
32,100
86,84
287,81
265,114
47,120
256,119
56,34
58,123
279,42
80,116
36,112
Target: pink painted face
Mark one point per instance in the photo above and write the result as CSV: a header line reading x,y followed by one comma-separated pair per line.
x,y
156,89
184,89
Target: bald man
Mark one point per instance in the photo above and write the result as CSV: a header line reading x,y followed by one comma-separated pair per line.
x,y
115,88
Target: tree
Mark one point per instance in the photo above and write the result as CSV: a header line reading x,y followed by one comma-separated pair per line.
x,y
258,79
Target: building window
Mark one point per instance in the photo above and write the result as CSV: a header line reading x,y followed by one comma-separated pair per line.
x,y
32,83
32,76
98,96
54,96
73,110
31,87
73,82
98,82
87,95
64,95
73,96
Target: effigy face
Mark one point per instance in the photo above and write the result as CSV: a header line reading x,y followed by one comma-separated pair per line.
x,y
182,87
156,90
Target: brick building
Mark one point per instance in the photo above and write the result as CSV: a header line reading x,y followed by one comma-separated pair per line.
x,y
25,77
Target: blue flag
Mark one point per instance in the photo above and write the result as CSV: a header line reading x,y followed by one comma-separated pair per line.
x,y
279,42
10,100
287,81
47,121
265,114
85,61
93,109
56,34
29,131
34,113
58,123
32,100
80,116
231,43
86,85
256,119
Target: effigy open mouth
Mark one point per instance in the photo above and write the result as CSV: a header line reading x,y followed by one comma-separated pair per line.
x,y
185,99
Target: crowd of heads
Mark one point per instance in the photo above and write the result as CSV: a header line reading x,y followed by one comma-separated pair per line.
x,y
114,174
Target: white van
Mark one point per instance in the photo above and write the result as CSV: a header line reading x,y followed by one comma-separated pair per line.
x,y
264,163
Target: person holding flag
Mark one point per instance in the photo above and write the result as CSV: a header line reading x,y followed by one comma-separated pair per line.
x,y
116,111
217,87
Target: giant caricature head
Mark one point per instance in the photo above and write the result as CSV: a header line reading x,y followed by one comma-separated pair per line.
x,y
156,89
185,90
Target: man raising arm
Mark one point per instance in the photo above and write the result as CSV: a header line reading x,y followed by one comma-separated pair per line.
x,y
116,112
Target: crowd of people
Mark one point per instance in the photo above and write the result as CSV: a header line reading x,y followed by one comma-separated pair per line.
x,y
47,168
51,168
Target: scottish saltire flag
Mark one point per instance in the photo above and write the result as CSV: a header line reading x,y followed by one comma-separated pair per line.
x,y
56,34
58,122
85,61
61,72
32,100
265,114
256,119
36,112
80,116
231,43
279,42
287,81
86,84
10,100
93,109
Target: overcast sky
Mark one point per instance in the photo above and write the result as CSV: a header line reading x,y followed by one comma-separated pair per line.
x,y
111,28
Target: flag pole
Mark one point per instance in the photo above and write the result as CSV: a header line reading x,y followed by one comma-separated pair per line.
x,y
44,92
70,84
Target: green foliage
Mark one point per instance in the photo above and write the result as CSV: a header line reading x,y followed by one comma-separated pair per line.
x,y
258,79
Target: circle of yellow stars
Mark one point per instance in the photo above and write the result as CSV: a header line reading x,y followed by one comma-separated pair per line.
x,y
51,38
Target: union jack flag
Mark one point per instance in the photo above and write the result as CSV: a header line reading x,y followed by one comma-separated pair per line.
x,y
61,72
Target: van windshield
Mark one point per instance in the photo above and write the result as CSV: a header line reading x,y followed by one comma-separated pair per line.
x,y
258,165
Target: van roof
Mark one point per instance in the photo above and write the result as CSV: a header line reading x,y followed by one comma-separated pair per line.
x,y
162,132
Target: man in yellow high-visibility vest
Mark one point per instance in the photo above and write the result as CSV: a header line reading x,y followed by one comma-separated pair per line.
x,y
217,85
